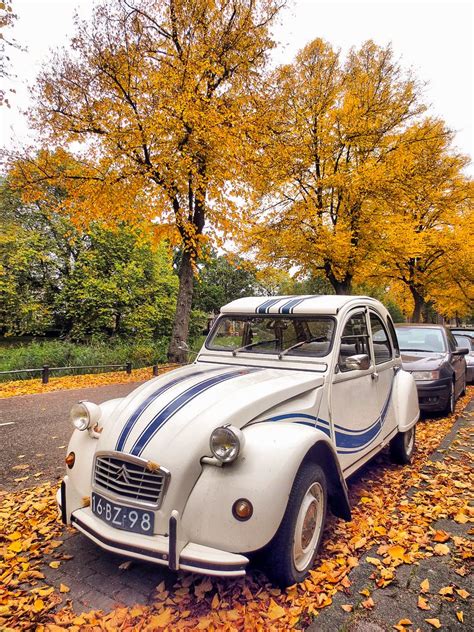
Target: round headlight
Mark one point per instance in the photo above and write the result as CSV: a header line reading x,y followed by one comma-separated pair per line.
x,y
84,415
226,443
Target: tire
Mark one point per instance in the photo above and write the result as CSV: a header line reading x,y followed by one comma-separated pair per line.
x,y
463,390
451,403
290,554
402,446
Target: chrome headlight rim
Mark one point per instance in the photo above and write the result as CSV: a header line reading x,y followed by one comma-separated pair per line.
x,y
226,443
84,415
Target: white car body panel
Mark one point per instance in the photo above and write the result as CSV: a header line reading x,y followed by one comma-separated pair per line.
x,y
284,406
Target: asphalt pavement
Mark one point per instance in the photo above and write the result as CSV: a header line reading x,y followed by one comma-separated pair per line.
x,y
35,431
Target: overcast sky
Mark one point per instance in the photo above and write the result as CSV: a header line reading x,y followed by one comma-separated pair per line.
x,y
433,38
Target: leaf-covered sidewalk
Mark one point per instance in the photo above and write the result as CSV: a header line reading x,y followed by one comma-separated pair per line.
x,y
398,515
35,386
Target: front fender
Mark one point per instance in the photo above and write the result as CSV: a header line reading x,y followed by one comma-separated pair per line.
x,y
263,474
405,401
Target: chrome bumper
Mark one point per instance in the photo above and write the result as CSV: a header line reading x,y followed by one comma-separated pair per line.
x,y
167,550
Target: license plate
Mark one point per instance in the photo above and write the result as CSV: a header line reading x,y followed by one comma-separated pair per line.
x,y
123,517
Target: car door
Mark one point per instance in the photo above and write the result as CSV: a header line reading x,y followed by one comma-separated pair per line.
x,y
458,363
383,353
354,407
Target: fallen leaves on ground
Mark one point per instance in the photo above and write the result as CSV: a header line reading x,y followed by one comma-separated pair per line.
x,y
400,528
35,386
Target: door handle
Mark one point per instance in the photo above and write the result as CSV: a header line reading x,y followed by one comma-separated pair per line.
x,y
375,376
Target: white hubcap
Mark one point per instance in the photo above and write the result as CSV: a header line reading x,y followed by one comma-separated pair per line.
x,y
308,526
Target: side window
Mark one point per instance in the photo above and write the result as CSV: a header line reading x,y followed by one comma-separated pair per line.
x,y
382,349
393,336
354,339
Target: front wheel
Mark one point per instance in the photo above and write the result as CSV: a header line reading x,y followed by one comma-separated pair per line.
x,y
291,553
451,403
402,446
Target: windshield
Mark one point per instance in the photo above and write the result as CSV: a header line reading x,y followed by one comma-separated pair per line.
x,y
310,336
421,339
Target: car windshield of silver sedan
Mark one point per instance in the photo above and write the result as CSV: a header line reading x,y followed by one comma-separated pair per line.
x,y
295,336
428,340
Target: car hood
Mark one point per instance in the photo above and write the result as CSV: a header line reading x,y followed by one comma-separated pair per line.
x,y
421,361
176,413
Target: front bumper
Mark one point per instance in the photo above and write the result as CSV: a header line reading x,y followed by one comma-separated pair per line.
x,y
167,550
433,395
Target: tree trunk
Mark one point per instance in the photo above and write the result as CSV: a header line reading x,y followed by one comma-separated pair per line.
x,y
340,287
419,303
180,331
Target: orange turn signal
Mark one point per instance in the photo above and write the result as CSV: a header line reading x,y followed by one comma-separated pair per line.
x,y
242,509
70,460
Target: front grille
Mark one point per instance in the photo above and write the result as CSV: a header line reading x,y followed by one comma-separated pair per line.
x,y
130,479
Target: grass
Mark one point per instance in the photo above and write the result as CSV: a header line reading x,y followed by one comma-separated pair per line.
x,y
56,353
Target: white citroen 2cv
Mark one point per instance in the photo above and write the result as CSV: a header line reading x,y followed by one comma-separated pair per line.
x,y
241,452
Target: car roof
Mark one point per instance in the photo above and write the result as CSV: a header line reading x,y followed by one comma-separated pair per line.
x,y
307,304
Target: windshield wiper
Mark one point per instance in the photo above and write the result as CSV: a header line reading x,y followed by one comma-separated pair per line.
x,y
420,350
300,344
252,344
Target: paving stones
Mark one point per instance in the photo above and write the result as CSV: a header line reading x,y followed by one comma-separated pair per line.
x,y
399,600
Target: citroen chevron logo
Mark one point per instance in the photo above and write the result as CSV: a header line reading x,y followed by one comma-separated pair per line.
x,y
122,474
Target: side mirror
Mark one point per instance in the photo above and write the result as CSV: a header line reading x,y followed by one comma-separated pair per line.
x,y
461,351
360,362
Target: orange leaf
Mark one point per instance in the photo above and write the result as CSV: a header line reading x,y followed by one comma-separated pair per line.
x,y
422,603
460,616
347,607
447,590
434,622
425,585
442,549
38,605
396,552
275,611
160,620
63,588
441,536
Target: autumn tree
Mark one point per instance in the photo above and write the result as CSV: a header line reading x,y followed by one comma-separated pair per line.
x,y
426,241
333,127
158,96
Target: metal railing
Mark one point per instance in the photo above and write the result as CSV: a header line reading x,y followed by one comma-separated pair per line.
x,y
46,370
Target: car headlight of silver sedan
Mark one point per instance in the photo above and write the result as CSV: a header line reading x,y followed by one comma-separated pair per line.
x,y
84,415
425,375
226,443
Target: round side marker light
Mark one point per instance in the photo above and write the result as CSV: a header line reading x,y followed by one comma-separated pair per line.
x,y
242,509
70,460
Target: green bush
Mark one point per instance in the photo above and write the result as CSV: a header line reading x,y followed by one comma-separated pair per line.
x,y
57,353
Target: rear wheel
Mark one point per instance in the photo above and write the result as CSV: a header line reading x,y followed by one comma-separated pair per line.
x,y
402,446
291,553
463,391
